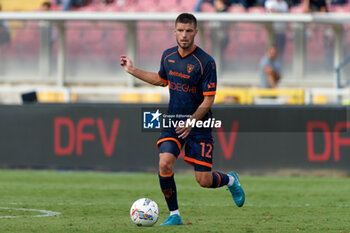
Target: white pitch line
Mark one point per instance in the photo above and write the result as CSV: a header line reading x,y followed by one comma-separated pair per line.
x,y
44,213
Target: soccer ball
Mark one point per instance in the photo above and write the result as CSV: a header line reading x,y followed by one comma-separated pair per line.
x,y
144,212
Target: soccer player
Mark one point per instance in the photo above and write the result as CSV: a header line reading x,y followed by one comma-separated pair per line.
x,y
190,74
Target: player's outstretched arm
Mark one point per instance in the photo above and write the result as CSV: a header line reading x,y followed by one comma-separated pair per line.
x,y
146,76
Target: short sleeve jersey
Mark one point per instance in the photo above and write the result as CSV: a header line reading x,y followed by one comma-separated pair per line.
x,y
190,77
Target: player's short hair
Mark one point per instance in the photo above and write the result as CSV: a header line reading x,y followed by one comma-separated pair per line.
x,y
186,18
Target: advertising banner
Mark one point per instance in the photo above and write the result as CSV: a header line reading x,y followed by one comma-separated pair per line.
x,y
120,137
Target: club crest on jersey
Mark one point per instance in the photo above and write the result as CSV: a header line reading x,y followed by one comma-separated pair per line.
x,y
190,67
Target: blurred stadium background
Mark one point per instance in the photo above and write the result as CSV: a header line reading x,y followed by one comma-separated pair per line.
x,y
89,117
92,46
73,57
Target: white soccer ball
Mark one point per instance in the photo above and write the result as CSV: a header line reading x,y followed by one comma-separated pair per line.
x,y
144,212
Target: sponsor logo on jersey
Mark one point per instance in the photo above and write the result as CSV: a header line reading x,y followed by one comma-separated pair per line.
x,y
177,74
182,87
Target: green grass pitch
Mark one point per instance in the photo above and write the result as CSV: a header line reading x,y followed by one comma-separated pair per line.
x,y
100,202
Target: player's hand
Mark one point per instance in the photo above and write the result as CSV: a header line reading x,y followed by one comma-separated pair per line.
x,y
183,131
126,63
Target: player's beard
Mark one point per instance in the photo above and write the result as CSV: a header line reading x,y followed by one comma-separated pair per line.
x,y
190,43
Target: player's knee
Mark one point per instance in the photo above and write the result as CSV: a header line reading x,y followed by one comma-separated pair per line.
x,y
203,182
165,167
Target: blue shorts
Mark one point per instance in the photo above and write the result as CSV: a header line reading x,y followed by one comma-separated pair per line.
x,y
198,148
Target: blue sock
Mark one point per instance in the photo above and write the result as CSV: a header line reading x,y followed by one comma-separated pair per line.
x,y
167,184
219,180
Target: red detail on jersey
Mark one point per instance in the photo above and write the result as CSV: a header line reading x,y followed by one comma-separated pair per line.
x,y
169,139
167,175
190,67
181,87
192,161
211,85
177,74
164,80
209,93
172,61
200,63
213,65
195,46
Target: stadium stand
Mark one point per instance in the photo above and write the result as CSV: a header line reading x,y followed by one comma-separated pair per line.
x,y
207,7
319,99
256,96
151,98
28,5
105,41
149,6
81,33
256,9
26,43
129,97
55,97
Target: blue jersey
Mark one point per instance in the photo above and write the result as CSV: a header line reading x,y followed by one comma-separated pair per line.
x,y
190,77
